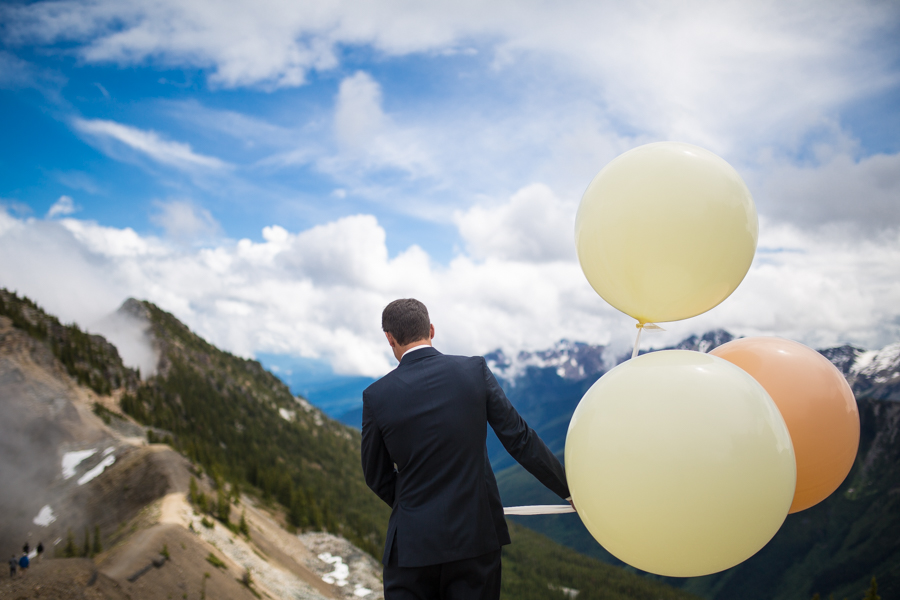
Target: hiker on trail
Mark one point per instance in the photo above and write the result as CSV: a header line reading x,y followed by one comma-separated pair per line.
x,y
26,548
23,563
12,566
40,550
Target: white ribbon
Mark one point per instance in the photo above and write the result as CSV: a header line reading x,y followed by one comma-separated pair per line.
x,y
539,509
641,327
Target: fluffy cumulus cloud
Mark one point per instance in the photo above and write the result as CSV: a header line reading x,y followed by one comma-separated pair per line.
x,y
319,292
700,71
534,225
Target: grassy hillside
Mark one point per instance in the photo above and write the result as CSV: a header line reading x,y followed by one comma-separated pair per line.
x,y
536,568
242,423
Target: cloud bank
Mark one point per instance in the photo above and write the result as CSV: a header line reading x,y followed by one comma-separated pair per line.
x,y
319,292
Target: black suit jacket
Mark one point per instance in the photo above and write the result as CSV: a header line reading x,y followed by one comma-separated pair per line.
x,y
429,417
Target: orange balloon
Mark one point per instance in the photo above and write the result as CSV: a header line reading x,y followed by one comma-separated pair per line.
x,y
816,403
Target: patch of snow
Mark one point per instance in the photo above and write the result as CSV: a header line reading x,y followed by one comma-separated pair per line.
x,y
96,471
45,517
71,460
570,360
567,592
302,402
341,571
287,415
364,577
877,361
109,450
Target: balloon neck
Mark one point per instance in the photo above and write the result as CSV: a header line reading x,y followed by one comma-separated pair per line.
x,y
641,326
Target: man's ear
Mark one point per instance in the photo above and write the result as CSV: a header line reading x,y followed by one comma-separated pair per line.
x,y
390,339
431,334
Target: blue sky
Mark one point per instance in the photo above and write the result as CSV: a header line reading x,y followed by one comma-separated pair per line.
x,y
435,150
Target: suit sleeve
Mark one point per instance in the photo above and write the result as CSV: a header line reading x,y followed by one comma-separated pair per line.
x,y
520,440
377,465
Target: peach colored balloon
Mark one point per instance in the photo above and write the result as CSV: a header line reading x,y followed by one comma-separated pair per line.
x,y
816,403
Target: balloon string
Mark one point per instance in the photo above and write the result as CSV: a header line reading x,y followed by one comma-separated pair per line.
x,y
540,509
641,327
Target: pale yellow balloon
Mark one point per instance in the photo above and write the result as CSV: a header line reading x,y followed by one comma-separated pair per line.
x,y
666,231
680,464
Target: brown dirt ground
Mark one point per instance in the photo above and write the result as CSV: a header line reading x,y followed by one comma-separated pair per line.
x,y
61,579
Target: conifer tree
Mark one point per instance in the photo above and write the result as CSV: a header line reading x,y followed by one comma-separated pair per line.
x,y
872,594
70,551
242,526
193,491
86,549
224,507
98,545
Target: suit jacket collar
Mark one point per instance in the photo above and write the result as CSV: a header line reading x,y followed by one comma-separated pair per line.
x,y
418,355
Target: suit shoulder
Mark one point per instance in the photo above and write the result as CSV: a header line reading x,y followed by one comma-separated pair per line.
x,y
468,363
378,385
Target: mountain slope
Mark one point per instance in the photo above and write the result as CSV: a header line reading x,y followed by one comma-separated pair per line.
x,y
242,423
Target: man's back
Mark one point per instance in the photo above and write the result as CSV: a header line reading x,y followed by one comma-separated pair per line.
x,y
429,416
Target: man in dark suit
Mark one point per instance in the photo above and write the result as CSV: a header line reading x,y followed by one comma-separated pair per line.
x,y
423,452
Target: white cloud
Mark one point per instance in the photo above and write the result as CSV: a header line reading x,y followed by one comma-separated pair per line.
x,y
840,189
64,206
319,292
358,116
368,139
714,73
149,143
534,225
184,221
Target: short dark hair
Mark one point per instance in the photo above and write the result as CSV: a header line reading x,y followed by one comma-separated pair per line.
x,y
407,320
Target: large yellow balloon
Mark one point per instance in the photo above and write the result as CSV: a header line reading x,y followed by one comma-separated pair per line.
x,y
666,231
680,464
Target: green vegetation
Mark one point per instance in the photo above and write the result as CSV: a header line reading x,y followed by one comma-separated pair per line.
x,y
872,594
70,551
247,581
215,561
105,414
89,359
243,528
97,548
536,568
165,552
223,413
